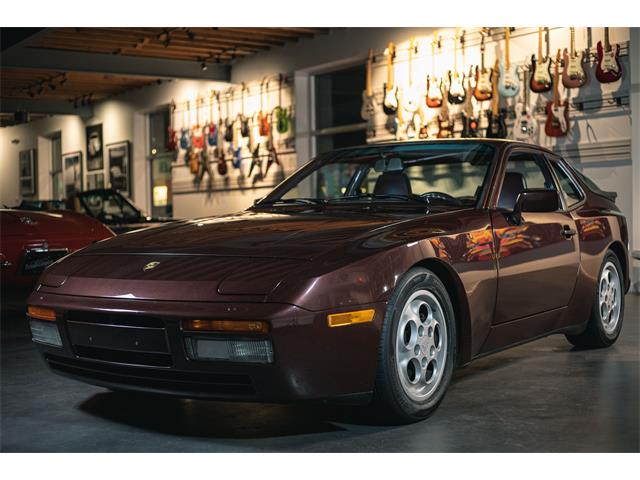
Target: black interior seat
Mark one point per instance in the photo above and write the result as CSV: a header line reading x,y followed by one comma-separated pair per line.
x,y
513,184
392,183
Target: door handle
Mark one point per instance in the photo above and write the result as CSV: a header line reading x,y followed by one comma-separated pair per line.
x,y
568,232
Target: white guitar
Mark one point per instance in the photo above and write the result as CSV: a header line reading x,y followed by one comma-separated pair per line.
x,y
525,128
390,102
411,96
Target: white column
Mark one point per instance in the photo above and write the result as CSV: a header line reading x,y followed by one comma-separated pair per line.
x,y
634,62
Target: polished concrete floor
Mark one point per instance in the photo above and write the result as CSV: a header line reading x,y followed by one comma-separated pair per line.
x,y
542,397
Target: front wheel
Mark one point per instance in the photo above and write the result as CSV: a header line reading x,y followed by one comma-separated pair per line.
x,y
417,348
607,311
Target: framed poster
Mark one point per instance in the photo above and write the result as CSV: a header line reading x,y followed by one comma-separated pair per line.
x,y
95,160
72,172
95,180
119,155
27,169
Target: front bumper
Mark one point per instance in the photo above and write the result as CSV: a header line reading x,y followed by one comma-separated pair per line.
x,y
311,361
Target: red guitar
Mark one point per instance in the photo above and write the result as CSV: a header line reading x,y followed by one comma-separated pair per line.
x,y
197,136
172,135
608,68
263,118
557,124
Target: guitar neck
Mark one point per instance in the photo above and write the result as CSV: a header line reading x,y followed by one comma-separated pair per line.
x,y
369,76
411,48
607,45
539,44
390,66
507,32
573,41
556,77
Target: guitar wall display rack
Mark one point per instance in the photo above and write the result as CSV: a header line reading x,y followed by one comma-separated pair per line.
x,y
514,81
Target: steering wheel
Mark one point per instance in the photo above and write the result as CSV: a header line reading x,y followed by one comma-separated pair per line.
x,y
442,196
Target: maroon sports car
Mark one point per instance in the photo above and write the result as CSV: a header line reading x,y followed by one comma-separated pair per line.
x,y
367,275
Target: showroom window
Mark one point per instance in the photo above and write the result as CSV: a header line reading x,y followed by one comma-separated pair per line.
x,y
57,182
160,160
337,121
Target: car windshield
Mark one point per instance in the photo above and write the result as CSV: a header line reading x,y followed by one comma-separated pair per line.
x,y
446,174
108,205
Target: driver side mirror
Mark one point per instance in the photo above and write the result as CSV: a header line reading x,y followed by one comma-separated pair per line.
x,y
256,200
536,200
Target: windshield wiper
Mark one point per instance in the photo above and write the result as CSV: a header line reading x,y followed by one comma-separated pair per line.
x,y
289,201
381,196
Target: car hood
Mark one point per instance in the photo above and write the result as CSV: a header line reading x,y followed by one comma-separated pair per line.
x,y
303,236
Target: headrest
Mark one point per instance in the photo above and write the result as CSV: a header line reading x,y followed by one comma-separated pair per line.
x,y
392,183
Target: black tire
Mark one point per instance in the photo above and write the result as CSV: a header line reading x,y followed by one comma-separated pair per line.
x,y
390,398
594,335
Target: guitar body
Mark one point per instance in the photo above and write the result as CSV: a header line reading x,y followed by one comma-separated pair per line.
x,y
508,83
445,127
185,141
483,90
197,138
608,68
228,132
273,158
525,128
496,127
212,135
244,126
573,74
282,119
411,99
456,94
194,162
557,124
434,93
368,109
255,161
390,103
541,80
263,122
172,140
469,126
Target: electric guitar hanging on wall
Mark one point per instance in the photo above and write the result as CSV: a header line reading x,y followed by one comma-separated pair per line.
x,y
368,109
541,67
411,96
509,84
483,88
496,127
390,102
263,117
573,74
469,120
185,140
434,87
211,130
197,136
456,92
557,124
608,68
525,128
445,125
172,136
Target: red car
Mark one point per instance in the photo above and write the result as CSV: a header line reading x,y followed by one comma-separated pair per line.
x,y
31,241
367,275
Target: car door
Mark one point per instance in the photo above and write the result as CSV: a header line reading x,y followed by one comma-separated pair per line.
x,y
537,253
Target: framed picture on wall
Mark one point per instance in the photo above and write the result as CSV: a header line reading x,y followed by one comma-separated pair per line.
x,y
95,160
95,180
72,165
119,155
27,168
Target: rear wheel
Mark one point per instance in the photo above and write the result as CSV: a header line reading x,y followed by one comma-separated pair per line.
x,y
417,348
607,311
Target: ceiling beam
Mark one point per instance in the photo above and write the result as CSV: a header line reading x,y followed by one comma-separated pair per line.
x,y
66,60
58,107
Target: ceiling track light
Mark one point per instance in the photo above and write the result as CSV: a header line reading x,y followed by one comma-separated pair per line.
x,y
203,65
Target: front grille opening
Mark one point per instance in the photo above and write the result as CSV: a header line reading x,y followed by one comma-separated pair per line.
x,y
125,320
121,356
165,380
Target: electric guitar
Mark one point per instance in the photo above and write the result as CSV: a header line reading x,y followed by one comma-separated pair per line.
x,y
263,118
541,67
390,102
212,131
608,68
434,88
525,128
282,114
272,158
172,136
197,135
445,126
185,140
218,151
496,127
368,109
244,120
509,84
411,96
469,120
557,124
483,89
573,74
228,123
254,147
456,92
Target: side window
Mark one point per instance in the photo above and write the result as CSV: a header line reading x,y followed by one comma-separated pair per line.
x,y
570,190
525,170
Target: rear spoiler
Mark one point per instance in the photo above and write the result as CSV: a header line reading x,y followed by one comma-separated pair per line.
x,y
608,195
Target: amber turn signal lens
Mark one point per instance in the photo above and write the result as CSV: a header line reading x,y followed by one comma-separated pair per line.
x,y
41,313
233,326
349,318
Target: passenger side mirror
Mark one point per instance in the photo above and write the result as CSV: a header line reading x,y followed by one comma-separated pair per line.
x,y
256,200
537,200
